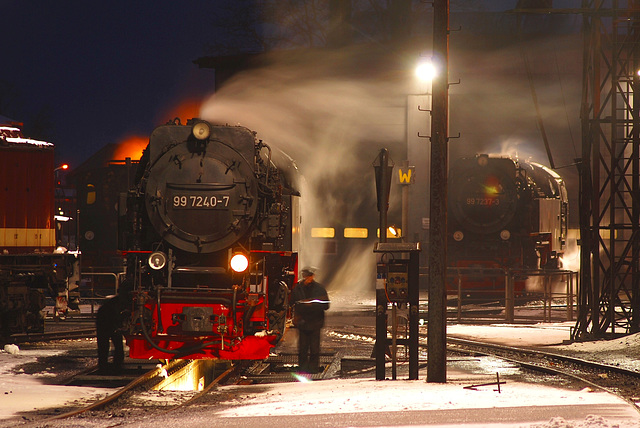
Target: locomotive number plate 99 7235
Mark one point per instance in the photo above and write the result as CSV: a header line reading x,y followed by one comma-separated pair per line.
x,y
200,201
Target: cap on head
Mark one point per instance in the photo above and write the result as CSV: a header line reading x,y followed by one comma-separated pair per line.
x,y
308,271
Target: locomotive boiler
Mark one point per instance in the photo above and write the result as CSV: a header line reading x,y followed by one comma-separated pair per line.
x,y
504,214
210,236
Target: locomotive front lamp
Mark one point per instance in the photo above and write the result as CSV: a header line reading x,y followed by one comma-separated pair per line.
x,y
239,262
157,260
201,130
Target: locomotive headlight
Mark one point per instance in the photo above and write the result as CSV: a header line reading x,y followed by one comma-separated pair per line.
x,y
458,235
505,235
201,130
483,160
157,260
239,262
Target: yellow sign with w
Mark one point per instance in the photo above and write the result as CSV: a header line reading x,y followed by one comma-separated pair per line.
x,y
406,174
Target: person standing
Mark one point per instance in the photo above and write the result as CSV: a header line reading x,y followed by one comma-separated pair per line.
x,y
309,300
108,331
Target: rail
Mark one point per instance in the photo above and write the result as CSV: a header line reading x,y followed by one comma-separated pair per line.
x,y
503,284
93,297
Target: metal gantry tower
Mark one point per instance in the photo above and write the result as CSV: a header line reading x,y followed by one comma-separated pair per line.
x,y
609,295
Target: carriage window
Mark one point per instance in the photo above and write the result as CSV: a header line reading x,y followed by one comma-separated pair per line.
x,y
356,232
323,232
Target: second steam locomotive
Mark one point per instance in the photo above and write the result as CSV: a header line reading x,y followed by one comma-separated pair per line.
x,y
211,231
505,215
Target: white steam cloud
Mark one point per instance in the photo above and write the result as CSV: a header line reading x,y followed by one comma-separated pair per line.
x,y
332,111
332,122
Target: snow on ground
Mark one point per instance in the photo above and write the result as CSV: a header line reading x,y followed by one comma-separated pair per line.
x,y
21,392
542,334
369,395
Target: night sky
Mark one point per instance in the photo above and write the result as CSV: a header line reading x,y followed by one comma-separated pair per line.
x,y
100,72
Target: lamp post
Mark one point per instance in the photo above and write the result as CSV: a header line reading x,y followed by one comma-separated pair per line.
x,y
424,73
437,330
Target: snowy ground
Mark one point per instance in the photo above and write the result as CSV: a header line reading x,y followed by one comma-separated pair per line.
x,y
20,391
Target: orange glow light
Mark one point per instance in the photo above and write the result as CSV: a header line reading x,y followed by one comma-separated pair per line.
x,y
131,147
186,109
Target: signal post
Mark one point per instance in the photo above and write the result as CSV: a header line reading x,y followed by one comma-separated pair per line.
x,y
397,280
397,289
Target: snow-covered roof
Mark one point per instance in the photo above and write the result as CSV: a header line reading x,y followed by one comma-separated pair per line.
x,y
14,135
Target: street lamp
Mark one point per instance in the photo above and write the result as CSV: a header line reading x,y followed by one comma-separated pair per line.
x,y
424,72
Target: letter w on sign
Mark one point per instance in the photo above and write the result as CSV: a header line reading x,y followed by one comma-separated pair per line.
x,y
405,174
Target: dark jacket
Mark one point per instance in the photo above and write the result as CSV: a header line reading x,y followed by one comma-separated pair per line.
x,y
309,316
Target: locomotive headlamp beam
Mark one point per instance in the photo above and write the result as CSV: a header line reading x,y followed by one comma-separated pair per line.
x,y
239,262
157,260
201,130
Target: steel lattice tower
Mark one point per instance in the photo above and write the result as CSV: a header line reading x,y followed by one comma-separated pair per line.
x,y
609,296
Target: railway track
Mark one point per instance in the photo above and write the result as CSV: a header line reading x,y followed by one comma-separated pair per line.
x,y
615,380
170,387
79,333
164,388
156,391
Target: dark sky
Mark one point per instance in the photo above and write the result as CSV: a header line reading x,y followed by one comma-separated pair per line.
x,y
102,70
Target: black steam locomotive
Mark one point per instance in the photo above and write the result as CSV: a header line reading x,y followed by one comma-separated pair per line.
x,y
210,233
504,214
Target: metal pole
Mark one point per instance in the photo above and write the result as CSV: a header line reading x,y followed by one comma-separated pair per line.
x,y
509,298
394,340
414,273
437,330
405,205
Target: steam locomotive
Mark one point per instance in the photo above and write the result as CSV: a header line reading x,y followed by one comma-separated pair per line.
x,y
210,235
503,214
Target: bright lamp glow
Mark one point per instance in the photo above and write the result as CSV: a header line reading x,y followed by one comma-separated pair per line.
x,y
426,71
239,262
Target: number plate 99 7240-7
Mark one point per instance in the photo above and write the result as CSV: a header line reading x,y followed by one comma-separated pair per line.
x,y
200,201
